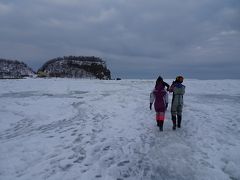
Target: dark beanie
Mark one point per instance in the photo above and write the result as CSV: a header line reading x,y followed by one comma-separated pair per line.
x,y
159,79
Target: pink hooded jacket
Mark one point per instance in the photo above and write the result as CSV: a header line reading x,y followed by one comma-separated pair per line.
x,y
160,98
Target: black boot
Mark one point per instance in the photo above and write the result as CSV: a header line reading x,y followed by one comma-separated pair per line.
x,y
179,120
160,125
174,122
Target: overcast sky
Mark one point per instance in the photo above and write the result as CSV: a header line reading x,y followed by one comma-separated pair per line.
x,y
137,38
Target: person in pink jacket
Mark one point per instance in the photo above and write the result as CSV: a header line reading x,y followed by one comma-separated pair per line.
x,y
159,97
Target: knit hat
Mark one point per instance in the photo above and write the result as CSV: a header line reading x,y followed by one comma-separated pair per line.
x,y
159,79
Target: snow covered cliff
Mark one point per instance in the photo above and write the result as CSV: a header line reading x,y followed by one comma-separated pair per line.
x,y
14,69
76,67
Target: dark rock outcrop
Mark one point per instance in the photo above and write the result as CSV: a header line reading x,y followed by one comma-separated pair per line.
x,y
10,69
76,67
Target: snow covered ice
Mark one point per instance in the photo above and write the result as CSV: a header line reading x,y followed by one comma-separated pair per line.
x,y
75,129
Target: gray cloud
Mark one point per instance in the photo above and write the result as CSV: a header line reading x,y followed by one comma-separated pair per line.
x,y
137,38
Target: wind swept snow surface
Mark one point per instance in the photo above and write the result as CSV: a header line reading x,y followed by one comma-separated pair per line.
x,y
90,129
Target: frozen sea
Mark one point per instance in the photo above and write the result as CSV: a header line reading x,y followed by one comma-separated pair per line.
x,y
72,129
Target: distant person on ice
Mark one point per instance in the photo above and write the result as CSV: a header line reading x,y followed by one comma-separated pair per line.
x,y
160,98
177,101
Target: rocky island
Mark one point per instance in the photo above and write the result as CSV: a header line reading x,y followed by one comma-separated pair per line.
x,y
14,69
75,67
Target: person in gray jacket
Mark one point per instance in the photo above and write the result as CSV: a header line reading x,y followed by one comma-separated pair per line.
x,y
178,90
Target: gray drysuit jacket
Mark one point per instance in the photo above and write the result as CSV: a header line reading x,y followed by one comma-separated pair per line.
x,y
177,101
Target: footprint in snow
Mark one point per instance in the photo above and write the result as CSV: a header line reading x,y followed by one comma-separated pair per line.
x,y
50,136
106,148
98,176
74,132
66,167
103,139
79,138
79,159
108,162
123,163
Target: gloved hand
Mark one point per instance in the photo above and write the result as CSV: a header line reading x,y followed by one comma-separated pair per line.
x,y
172,86
150,107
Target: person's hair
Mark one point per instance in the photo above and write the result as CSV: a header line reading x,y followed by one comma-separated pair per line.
x,y
158,81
